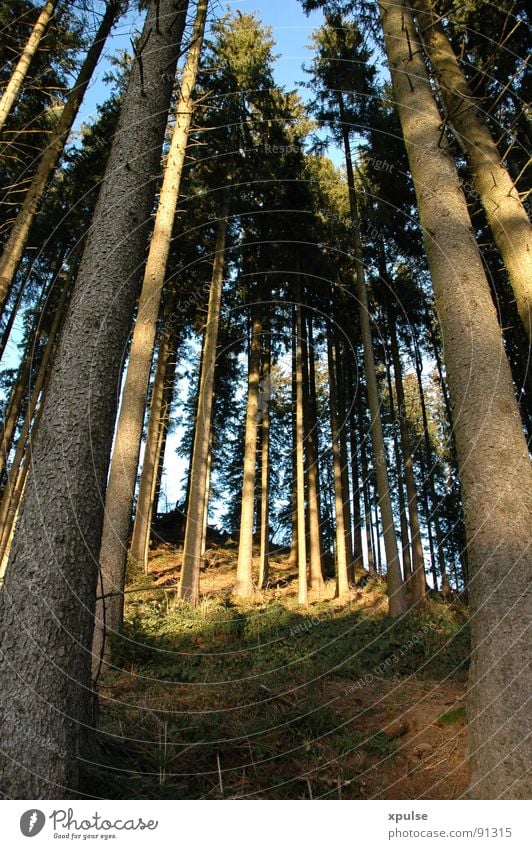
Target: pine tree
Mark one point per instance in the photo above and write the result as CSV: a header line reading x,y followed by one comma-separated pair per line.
x,y
498,511
51,578
122,475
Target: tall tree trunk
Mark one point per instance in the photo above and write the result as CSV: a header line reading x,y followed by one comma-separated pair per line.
x,y
143,512
418,582
18,237
22,67
342,438
492,454
264,526
51,578
311,448
365,492
292,557
397,600
376,528
168,397
244,573
358,555
342,575
505,212
429,476
192,553
405,536
123,473
300,457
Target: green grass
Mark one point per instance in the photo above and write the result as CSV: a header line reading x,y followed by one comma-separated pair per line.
x,y
241,690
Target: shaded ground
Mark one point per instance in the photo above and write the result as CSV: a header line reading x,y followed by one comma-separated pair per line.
x,y
269,700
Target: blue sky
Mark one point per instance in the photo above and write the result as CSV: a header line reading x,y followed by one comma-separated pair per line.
x,y
291,30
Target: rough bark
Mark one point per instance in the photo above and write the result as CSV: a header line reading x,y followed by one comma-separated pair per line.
x,y
120,491
23,65
492,454
505,212
18,237
50,582
192,553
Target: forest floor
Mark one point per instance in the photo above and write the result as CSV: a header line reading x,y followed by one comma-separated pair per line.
x,y
269,700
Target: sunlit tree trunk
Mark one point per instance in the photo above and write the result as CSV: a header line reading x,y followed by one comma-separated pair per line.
x,y
244,574
300,459
49,700
146,494
492,453
264,525
18,237
429,478
365,491
22,67
311,449
192,553
123,472
358,555
342,576
342,436
292,557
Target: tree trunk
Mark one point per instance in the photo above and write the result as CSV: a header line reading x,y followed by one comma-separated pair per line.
x,y
192,553
342,575
365,493
264,527
418,582
342,438
492,453
244,573
292,557
18,237
19,74
300,458
506,215
429,477
376,528
123,473
405,536
50,582
357,514
143,512
311,435
396,594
